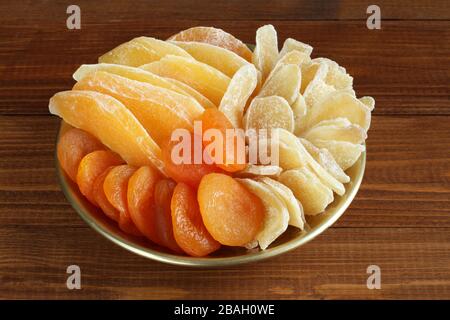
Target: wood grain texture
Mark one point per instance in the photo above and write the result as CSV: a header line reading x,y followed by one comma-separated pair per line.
x,y
404,65
407,180
230,10
400,219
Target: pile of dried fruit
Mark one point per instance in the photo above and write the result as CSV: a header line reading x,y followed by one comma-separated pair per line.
x,y
125,109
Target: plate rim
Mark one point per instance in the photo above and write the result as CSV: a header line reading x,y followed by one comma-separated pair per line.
x,y
207,262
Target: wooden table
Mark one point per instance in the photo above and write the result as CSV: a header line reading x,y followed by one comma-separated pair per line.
x,y
400,219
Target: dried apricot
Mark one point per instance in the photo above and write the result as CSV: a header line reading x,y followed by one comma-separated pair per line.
x,y
116,187
188,228
231,213
72,147
91,166
163,216
229,159
100,197
140,194
188,172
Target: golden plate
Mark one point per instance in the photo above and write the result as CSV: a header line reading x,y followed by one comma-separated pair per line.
x,y
226,256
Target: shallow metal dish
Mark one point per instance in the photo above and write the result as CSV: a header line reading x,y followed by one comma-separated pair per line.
x,y
226,256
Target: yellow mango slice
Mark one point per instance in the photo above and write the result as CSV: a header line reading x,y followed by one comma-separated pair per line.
x,y
111,122
138,74
204,101
222,59
216,37
140,51
205,79
161,111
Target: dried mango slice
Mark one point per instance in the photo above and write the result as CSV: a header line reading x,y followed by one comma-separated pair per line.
x,y
308,189
336,130
345,153
292,154
340,104
283,82
276,217
295,209
207,80
138,74
160,111
140,51
336,76
326,160
222,59
216,37
269,113
290,45
238,92
204,101
109,121
265,54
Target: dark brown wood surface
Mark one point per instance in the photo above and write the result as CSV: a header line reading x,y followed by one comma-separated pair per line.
x,y
400,219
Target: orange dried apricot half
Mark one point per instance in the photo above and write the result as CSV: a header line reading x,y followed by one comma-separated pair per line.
x,y
72,147
231,156
100,197
188,171
163,216
188,229
140,194
116,187
93,165
232,214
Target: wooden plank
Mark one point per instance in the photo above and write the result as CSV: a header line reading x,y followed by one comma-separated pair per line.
x,y
407,182
232,10
414,264
404,65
